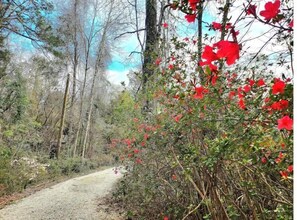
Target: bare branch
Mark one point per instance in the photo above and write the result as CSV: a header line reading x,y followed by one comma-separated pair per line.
x,y
129,32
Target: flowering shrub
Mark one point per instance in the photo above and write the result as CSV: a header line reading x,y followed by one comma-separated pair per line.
x,y
219,145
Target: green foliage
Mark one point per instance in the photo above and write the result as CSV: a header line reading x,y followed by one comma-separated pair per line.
x,y
122,108
13,98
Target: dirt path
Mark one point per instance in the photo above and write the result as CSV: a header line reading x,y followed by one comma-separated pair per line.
x,y
76,198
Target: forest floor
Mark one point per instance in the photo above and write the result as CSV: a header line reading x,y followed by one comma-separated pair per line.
x,y
81,198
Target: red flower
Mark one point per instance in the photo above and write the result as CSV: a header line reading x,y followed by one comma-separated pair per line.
x,y
284,174
128,142
271,10
260,83
251,10
200,92
228,50
232,94
178,117
228,26
145,136
209,56
285,123
282,104
264,160
278,160
239,93
278,87
190,18
251,82
158,61
290,169
216,26
193,4
173,177
138,161
136,151
241,104
170,66
247,88
165,25
166,218
135,120
214,79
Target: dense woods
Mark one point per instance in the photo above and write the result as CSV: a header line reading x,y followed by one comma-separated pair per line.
x,y
203,123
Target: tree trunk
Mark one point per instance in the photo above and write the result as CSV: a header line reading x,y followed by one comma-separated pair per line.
x,y
75,53
62,117
100,56
151,40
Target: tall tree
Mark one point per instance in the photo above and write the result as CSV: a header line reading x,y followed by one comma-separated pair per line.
x,y
99,65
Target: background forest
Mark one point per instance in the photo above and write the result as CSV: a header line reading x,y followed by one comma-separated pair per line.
x,y
203,118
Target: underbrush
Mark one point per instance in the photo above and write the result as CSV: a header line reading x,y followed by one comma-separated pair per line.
x,y
23,171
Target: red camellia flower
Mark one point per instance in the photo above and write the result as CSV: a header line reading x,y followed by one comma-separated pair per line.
x,y
200,92
138,161
278,87
247,88
165,25
251,10
190,18
251,82
145,136
290,169
136,151
209,56
280,105
284,174
239,93
264,160
260,83
285,123
216,26
228,50
232,94
166,218
193,4
170,66
241,104
158,61
177,117
271,10
128,142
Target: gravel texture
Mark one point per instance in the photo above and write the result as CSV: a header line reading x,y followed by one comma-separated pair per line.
x,y
75,199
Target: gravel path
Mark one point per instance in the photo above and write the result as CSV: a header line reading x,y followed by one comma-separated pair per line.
x,y
74,199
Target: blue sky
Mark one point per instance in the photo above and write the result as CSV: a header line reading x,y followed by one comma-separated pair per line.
x,y
122,61
119,66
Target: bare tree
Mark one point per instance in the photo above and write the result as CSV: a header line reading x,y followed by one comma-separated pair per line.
x,y
100,56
